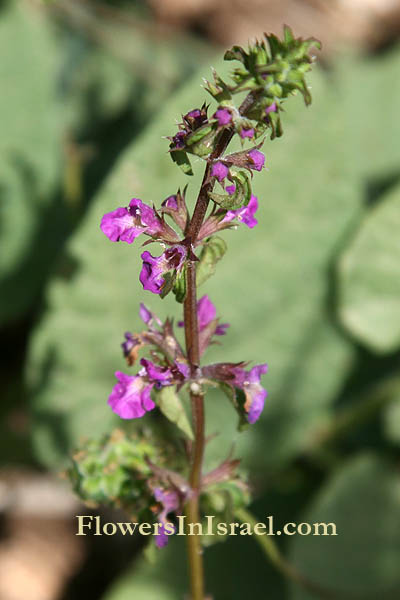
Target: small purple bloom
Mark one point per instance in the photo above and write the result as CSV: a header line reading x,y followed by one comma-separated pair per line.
x,y
130,397
170,502
193,114
130,342
206,312
219,170
223,116
145,314
162,537
170,202
230,189
246,133
195,118
257,159
249,382
271,108
179,139
221,329
154,267
160,376
126,224
151,274
183,369
244,214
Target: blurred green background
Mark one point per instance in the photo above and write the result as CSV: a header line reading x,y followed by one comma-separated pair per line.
x,y
88,92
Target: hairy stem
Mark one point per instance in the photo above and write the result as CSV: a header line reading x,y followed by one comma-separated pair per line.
x,y
193,353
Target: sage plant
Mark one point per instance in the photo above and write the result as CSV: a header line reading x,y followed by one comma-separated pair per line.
x,y
153,478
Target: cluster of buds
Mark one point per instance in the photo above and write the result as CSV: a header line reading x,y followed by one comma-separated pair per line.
x,y
129,473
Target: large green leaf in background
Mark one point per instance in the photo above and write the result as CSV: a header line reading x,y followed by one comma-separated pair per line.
x,y
64,96
30,141
363,500
369,272
271,287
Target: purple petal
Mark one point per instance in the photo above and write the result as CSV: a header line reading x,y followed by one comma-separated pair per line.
x,y
145,314
179,139
145,215
256,372
129,343
223,116
246,133
257,405
271,108
257,159
221,329
170,202
118,225
244,214
162,538
151,274
219,170
206,312
158,375
130,397
183,368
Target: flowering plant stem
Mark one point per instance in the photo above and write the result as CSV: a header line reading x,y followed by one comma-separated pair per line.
x,y
270,72
195,558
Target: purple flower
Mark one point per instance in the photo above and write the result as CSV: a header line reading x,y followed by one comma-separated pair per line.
x,y
244,214
129,344
257,159
271,108
246,133
154,267
170,502
195,118
249,382
151,274
159,376
126,224
223,116
193,114
175,207
183,368
162,537
221,329
170,202
179,139
219,170
206,312
130,397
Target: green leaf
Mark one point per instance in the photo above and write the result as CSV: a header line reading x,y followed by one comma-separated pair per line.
x,y
362,501
179,288
170,404
182,160
241,195
168,285
212,252
369,277
30,154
